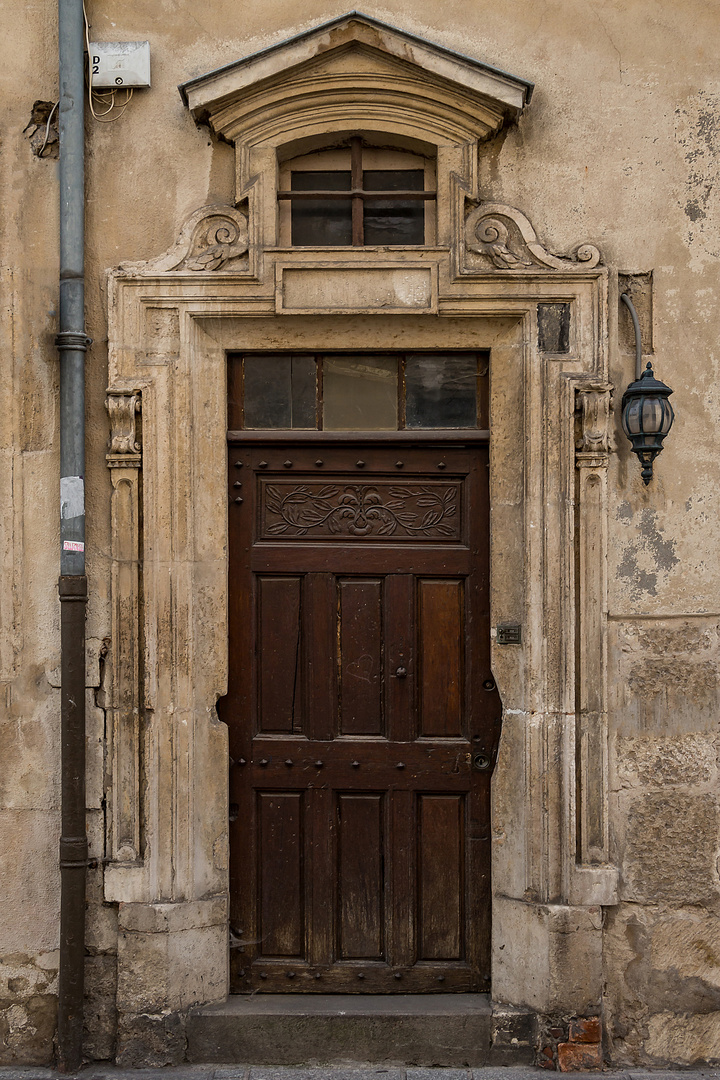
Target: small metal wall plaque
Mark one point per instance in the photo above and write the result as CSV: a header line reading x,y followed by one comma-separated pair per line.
x,y
509,635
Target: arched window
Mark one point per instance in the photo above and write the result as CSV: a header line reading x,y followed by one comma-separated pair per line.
x,y
357,195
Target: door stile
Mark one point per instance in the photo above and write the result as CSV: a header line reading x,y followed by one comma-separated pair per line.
x,y
401,685
320,646
319,875
401,943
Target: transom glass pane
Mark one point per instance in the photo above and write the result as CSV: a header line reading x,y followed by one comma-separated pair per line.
x,y
360,393
321,222
441,391
279,391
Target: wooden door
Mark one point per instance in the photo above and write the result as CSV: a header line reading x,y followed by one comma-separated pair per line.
x,y
362,713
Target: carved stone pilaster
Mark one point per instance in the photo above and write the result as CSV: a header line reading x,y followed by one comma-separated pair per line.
x,y
124,459
123,407
592,402
593,405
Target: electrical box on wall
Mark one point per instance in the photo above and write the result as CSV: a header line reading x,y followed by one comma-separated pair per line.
x,y
118,64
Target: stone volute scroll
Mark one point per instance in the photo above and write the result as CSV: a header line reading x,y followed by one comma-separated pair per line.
x,y
215,237
124,458
507,238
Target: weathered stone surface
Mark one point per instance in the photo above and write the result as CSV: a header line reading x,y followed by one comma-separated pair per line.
x,y
670,847
100,1029
178,968
27,1027
101,921
30,897
664,676
315,1029
649,761
514,1036
688,1040
148,1039
659,961
550,956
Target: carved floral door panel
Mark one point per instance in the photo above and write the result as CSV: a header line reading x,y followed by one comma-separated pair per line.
x,y
362,715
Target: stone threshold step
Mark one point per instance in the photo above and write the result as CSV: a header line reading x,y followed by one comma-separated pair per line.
x,y
448,1030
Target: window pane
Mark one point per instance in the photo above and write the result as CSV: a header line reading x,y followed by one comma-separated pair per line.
x,y
321,222
441,391
394,221
279,391
360,393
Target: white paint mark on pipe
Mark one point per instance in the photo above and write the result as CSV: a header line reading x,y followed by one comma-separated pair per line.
x,y
72,496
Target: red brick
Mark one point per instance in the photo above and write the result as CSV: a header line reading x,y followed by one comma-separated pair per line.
x,y
557,1033
547,1058
586,1031
579,1056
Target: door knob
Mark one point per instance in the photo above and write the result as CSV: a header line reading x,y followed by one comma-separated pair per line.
x,y
401,673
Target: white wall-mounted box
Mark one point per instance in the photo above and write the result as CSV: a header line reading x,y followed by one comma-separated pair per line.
x,y
120,64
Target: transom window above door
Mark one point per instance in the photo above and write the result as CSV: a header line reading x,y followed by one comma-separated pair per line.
x,y
357,196
358,391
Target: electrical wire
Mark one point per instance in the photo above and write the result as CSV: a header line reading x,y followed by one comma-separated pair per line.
x,y
41,151
108,99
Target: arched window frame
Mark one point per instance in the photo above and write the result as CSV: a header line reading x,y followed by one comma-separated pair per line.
x,y
352,158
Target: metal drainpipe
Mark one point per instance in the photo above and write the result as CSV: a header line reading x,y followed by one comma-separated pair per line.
x,y
72,343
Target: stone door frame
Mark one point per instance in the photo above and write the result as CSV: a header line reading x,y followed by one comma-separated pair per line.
x,y
170,330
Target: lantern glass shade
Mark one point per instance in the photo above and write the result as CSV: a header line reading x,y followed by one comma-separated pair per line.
x,y
647,417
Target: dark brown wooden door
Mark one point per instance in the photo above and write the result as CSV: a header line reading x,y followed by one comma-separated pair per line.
x,y
362,714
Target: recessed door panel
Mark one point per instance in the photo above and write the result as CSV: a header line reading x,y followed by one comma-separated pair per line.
x,y
441,876
360,656
361,891
441,628
281,873
279,662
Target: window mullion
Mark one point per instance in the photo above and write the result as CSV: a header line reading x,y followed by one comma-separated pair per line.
x,y
356,183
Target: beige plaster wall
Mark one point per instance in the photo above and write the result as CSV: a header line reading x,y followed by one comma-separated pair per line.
x,y
621,147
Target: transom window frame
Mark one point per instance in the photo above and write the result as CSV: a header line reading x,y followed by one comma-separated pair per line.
x,y
358,154
421,391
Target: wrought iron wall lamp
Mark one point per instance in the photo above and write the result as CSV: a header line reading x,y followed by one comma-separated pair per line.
x,y
647,415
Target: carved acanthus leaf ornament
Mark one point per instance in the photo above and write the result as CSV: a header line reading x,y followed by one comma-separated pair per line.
x,y
359,510
593,403
123,407
210,239
506,237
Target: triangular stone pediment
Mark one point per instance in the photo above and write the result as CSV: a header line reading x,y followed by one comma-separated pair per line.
x,y
345,61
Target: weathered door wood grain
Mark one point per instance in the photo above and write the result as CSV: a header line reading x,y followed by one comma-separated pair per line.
x,y
360,696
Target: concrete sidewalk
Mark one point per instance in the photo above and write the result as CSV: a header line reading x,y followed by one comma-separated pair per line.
x,y
269,1072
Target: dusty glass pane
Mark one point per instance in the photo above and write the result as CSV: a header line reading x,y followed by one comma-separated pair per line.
x,y
303,401
321,222
441,391
279,391
360,393
394,221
